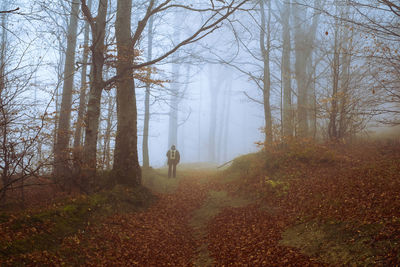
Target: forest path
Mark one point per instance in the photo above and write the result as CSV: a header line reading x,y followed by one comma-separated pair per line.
x,y
198,223
171,232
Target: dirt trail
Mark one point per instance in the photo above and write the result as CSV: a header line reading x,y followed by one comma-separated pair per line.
x,y
160,236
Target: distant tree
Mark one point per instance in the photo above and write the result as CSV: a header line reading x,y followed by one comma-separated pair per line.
x,y
215,81
145,145
304,36
176,93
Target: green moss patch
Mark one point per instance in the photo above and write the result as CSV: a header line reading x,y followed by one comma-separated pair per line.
x,y
47,229
338,243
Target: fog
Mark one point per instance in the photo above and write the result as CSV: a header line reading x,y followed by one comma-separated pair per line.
x,y
241,131
285,115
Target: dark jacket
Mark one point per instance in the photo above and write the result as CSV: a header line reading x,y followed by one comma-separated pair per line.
x,y
173,159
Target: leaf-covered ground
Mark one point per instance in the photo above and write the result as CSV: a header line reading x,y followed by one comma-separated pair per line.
x,y
302,205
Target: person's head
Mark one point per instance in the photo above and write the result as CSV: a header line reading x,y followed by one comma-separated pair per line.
x,y
173,147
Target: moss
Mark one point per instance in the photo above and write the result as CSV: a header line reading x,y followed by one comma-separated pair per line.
x,y
337,243
70,218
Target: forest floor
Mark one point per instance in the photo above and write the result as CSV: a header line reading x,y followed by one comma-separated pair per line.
x,y
301,205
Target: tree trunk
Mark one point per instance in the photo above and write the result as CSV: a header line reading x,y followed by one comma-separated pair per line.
x,y
214,86
265,52
96,87
3,46
77,147
304,42
227,119
175,89
332,127
126,164
145,146
61,155
107,134
287,120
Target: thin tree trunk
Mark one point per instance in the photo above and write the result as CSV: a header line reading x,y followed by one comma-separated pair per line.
x,y
62,170
107,134
3,46
345,81
145,146
214,86
126,164
77,147
175,89
265,51
332,127
227,118
286,74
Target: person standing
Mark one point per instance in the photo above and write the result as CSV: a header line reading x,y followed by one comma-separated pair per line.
x,y
173,159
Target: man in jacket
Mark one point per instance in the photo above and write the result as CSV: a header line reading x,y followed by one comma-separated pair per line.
x,y
173,159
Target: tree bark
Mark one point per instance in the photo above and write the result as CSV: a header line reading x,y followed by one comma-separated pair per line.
x,y
332,127
145,145
62,153
107,134
265,31
287,119
126,164
96,87
77,147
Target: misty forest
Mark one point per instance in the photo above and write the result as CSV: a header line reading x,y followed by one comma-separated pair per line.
x,y
199,133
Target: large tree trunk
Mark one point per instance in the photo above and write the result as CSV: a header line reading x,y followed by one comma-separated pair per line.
x,y
287,120
61,153
96,87
77,147
126,164
145,146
